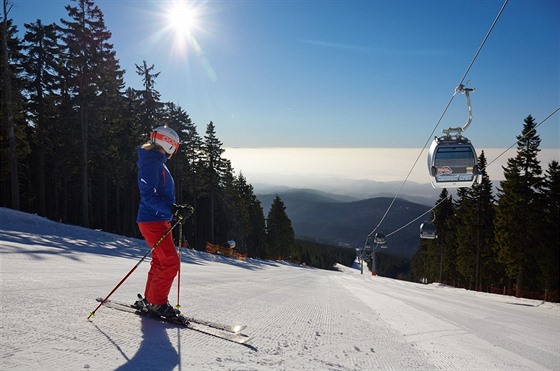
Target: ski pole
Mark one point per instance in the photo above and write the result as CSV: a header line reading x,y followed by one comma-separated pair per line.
x,y
134,268
179,271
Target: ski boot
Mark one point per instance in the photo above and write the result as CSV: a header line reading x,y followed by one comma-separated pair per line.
x,y
141,304
164,310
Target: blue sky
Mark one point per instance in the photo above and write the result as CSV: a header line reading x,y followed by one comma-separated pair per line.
x,y
342,73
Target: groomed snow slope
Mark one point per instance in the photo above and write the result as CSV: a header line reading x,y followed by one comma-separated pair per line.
x,y
302,318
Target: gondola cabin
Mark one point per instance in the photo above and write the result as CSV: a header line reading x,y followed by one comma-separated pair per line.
x,y
380,239
452,163
428,231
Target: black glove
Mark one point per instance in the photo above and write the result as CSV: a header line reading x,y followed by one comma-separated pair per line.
x,y
182,212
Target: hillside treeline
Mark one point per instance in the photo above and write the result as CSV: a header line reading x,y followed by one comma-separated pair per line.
x,y
507,240
69,132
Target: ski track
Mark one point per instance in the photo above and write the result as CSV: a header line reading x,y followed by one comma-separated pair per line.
x,y
449,337
301,318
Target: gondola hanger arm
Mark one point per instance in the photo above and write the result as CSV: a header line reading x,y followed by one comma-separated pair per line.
x,y
457,131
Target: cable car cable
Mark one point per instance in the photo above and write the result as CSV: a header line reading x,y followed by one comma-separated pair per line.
x,y
483,42
413,220
413,165
523,137
442,115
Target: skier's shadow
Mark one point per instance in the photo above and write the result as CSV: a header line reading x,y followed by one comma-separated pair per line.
x,y
156,351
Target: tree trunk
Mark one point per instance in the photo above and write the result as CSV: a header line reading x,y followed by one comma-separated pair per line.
x,y
7,88
84,166
518,283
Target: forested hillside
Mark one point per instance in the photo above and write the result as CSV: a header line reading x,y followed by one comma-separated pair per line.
x,y
327,219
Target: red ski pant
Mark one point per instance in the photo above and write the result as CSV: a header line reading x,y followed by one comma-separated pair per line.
x,y
165,261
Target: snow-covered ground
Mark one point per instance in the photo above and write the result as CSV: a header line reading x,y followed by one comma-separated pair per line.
x,y
301,318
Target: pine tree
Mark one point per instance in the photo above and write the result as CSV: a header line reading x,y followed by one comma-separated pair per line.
x,y
442,249
8,51
93,72
427,262
176,118
249,219
518,215
279,231
256,239
550,241
149,108
214,169
419,266
474,229
226,215
39,63
189,157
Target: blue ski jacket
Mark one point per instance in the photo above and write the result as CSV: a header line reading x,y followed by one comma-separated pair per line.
x,y
157,189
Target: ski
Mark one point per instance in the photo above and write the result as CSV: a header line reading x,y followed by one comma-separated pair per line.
x,y
235,337
236,329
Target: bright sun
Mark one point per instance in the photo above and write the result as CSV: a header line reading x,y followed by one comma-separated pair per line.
x,y
182,22
182,19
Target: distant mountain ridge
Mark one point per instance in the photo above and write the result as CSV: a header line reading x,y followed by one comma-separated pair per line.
x,y
335,219
337,188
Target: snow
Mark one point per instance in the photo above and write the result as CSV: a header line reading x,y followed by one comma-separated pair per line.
x,y
301,318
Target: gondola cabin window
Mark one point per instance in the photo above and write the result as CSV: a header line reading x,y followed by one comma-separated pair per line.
x,y
452,164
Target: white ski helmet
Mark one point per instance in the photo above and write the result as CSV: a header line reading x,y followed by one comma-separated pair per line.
x,y
166,138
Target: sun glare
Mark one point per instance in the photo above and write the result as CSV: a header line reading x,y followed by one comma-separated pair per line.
x,y
182,22
182,19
